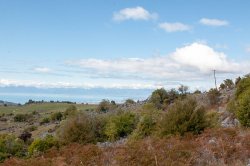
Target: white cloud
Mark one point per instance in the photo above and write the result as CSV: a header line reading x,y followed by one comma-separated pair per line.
x,y
191,62
42,70
174,27
137,13
213,22
192,65
39,84
204,58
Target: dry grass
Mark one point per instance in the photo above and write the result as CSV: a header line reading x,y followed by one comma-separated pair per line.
x,y
213,147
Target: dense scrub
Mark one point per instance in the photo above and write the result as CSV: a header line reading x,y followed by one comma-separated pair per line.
x,y
184,116
213,147
240,104
171,128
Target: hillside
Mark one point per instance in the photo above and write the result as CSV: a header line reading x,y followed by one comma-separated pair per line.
x,y
172,127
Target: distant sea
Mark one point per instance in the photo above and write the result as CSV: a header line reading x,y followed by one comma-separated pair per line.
x,y
95,95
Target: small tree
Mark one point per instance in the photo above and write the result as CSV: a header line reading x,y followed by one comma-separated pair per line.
x,y
105,106
183,89
228,83
183,116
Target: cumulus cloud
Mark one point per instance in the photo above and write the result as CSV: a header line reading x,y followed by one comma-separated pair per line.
x,y
213,22
204,58
174,27
190,62
42,70
137,13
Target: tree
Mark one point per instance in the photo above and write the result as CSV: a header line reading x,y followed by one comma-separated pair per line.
x,y
228,83
183,89
222,86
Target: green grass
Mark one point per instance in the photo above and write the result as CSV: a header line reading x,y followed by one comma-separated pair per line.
x,y
43,108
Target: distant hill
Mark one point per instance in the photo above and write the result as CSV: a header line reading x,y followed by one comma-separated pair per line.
x,y
7,103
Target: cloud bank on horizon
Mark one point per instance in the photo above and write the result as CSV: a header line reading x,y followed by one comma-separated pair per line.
x,y
192,62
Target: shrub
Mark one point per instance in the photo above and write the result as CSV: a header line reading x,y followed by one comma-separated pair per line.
x,y
71,110
83,128
22,117
30,128
222,86
56,116
41,145
129,102
197,92
105,106
243,109
161,98
147,124
213,96
45,120
183,116
11,146
229,84
120,125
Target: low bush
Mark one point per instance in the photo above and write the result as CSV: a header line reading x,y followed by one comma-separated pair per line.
x,y
22,117
83,128
57,116
105,106
243,108
184,116
162,98
41,145
213,96
147,124
45,120
30,128
11,146
129,102
120,125
70,111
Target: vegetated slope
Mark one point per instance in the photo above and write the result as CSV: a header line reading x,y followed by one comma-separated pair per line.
x,y
170,128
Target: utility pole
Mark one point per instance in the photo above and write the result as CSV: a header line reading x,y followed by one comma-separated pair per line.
x,y
215,80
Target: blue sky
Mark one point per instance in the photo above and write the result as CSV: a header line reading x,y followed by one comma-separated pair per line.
x,y
122,43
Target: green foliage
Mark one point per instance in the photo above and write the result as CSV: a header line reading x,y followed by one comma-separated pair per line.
x,y
45,120
162,98
56,116
147,123
83,128
41,145
231,106
22,117
243,109
222,86
70,111
212,119
183,89
183,116
30,128
242,86
213,96
197,92
237,80
105,106
129,102
11,146
229,84
120,125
